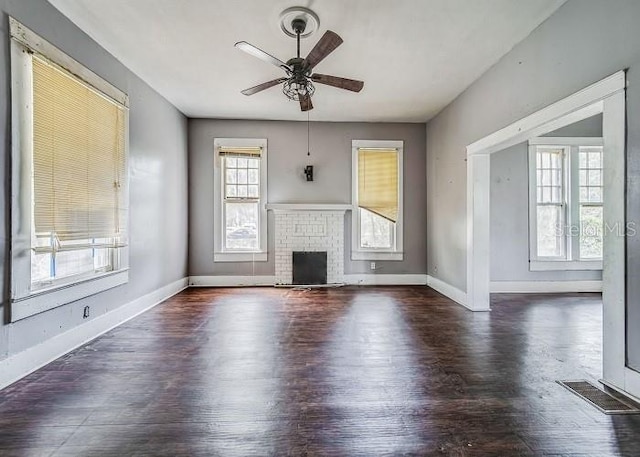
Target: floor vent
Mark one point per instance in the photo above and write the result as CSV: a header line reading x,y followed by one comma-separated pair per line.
x,y
605,402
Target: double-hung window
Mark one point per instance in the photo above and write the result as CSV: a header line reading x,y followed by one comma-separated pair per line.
x,y
69,178
240,214
566,196
377,197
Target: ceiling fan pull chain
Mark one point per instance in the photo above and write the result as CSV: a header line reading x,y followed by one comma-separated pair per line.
x,y
308,135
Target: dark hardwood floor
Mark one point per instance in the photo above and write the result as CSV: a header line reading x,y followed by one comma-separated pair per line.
x,y
355,371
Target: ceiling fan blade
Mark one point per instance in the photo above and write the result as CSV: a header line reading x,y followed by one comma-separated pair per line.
x,y
305,103
341,83
263,86
260,54
327,44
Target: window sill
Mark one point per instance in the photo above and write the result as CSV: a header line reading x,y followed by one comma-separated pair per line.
x,y
45,300
377,255
260,256
562,265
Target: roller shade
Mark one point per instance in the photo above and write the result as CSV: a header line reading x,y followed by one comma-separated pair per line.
x,y
378,182
78,158
240,152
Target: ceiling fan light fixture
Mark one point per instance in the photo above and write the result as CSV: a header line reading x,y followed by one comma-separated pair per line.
x,y
295,89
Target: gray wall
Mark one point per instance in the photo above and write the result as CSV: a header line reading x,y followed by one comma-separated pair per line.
x,y
510,211
331,158
158,180
583,42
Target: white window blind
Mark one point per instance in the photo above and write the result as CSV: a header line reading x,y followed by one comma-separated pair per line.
x,y
378,182
79,162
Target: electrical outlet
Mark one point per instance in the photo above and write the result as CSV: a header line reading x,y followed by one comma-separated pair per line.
x,y
85,312
373,265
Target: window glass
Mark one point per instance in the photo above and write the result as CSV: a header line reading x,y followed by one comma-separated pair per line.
x,y
241,226
375,231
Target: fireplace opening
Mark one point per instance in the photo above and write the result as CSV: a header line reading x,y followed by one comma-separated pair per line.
x,y
309,267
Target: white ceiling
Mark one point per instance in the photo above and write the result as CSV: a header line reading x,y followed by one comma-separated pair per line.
x,y
415,56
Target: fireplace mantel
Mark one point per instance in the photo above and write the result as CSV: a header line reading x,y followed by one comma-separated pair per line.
x,y
309,207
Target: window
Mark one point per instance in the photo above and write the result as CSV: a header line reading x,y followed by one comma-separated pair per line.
x,y
566,196
377,197
70,195
240,213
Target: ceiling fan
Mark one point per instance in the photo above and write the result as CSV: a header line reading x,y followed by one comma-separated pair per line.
x,y
298,84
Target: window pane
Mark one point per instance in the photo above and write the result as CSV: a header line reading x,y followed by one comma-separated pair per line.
x,y
253,163
40,267
232,191
242,163
595,194
231,162
595,160
545,161
375,231
241,226
583,159
584,195
242,176
549,231
242,191
583,177
69,263
591,232
232,176
101,258
253,192
595,178
253,176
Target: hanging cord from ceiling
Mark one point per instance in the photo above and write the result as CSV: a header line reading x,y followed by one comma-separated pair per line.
x,y
308,135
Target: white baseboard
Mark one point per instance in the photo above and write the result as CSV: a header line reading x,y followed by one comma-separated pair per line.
x,y
231,281
21,364
353,279
386,280
540,287
448,290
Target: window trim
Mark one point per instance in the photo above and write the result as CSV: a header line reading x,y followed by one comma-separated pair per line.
x,y
221,254
357,253
570,183
24,301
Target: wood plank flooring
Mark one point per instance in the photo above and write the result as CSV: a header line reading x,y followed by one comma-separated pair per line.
x,y
354,371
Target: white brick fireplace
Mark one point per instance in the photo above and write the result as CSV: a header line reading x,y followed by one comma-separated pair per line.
x,y
309,227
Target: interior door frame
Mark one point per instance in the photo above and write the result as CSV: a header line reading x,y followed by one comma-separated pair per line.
x,y
607,97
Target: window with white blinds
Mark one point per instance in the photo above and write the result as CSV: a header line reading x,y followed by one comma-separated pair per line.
x,y
378,200
78,159
69,182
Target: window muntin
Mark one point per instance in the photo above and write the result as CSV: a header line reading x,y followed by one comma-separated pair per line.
x,y
567,196
377,200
